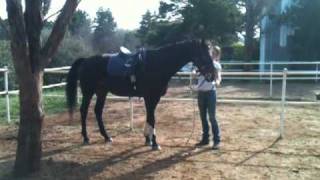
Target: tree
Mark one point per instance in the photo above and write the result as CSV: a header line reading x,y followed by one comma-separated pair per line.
x,y
212,19
304,17
104,31
30,57
216,20
131,41
125,38
145,27
80,24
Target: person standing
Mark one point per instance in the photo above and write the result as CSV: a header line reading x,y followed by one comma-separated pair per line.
x,y
207,102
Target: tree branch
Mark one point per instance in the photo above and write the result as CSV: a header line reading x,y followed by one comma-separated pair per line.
x,y
58,31
33,21
17,35
45,7
57,12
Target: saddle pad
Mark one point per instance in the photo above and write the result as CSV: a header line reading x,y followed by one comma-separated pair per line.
x,y
116,66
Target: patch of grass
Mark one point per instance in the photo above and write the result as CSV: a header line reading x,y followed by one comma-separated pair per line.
x,y
14,108
54,102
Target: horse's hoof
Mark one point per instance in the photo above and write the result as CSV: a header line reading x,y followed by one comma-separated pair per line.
x,y
109,140
86,142
156,147
148,143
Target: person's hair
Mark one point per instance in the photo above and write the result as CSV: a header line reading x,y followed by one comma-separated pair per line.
x,y
216,50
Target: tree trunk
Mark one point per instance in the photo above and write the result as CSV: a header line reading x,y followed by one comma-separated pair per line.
x,y
249,28
29,150
29,61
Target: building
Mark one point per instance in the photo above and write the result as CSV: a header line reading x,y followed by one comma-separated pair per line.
x,y
274,36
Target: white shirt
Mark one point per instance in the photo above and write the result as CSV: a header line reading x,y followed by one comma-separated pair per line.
x,y
204,85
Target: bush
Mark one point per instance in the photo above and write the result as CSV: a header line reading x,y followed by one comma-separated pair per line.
x,y
70,49
239,51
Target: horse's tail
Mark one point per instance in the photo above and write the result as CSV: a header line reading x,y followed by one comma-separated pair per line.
x,y
71,87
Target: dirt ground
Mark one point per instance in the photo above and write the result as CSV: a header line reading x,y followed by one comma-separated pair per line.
x,y
250,145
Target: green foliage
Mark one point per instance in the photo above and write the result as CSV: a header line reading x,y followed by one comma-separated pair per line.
x,y
211,19
125,38
104,31
80,24
217,20
154,31
71,48
304,18
145,27
77,43
238,51
14,108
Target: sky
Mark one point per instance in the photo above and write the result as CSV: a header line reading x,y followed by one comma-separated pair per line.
x,y
127,13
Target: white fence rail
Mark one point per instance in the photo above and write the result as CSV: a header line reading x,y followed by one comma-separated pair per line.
x,y
272,68
5,71
271,74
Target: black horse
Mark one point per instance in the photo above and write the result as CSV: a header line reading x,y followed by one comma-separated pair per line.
x,y
153,73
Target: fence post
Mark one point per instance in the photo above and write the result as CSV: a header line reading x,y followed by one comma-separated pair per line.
x,y
271,79
190,79
317,70
6,88
131,113
283,101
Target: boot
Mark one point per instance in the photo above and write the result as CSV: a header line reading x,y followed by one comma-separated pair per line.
x,y
203,142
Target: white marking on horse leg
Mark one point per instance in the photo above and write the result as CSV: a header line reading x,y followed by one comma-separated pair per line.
x,y
149,131
146,129
152,131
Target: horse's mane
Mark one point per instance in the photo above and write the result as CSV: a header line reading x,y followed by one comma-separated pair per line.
x,y
187,47
179,44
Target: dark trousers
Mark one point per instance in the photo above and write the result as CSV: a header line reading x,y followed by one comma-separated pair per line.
x,y
207,105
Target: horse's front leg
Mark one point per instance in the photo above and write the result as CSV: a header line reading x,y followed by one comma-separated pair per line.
x,y
149,129
101,97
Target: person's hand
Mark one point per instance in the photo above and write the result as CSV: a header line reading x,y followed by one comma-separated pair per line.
x,y
218,83
196,72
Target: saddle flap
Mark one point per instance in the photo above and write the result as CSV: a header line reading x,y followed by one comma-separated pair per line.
x,y
116,66
124,63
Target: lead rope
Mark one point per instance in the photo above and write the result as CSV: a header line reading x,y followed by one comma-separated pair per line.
x,y
193,105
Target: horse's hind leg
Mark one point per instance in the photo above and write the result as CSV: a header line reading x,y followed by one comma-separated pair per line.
x,y
84,111
101,97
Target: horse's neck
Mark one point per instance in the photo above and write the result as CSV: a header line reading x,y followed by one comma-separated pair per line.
x,y
172,61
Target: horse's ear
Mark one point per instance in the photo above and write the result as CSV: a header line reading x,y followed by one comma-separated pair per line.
x,y
204,42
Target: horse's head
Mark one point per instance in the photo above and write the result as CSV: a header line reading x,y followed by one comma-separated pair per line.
x,y
203,60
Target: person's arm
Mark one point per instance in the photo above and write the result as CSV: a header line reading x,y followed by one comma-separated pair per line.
x,y
218,79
